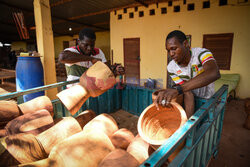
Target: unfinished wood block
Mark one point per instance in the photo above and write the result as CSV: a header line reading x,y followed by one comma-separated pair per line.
x,y
8,111
41,102
63,129
82,149
104,123
85,117
20,148
94,82
33,123
3,133
139,149
119,158
122,138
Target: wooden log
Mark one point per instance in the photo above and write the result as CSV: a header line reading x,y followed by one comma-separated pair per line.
x,y
33,123
42,102
122,138
41,163
57,133
119,158
3,124
140,149
85,117
94,82
8,111
98,79
104,123
20,148
82,149
3,133
73,98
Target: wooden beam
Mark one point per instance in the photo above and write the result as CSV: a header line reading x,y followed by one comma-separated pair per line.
x,y
103,11
59,3
45,43
56,17
102,23
7,23
136,4
141,2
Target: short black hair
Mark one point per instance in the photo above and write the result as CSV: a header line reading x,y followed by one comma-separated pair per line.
x,y
87,32
178,35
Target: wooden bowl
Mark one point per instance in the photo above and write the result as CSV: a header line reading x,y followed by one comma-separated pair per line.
x,y
156,126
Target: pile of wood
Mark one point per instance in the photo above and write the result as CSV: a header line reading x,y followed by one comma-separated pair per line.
x,y
30,137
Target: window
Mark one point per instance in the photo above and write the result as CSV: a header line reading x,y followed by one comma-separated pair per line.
x,y
190,6
141,14
119,16
177,8
152,12
222,2
131,15
170,3
221,47
206,4
163,10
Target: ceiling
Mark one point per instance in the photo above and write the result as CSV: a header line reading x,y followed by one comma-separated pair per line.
x,y
75,14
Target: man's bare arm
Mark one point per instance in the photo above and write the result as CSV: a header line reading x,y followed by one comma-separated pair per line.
x,y
211,73
71,57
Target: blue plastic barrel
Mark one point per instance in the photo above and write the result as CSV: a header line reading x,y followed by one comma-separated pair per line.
x,y
29,74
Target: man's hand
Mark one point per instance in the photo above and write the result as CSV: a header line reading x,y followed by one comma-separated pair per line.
x,y
117,69
94,60
165,97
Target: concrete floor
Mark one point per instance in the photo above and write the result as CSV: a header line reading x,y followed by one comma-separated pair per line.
x,y
234,149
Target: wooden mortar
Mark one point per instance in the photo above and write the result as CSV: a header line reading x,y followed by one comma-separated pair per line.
x,y
122,138
85,117
41,102
139,149
8,111
82,149
33,123
94,82
104,123
20,148
119,158
68,126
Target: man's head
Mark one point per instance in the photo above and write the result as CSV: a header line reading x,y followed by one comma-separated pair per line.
x,y
86,40
178,47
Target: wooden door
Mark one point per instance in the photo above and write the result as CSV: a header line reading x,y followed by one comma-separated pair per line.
x,y
131,48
